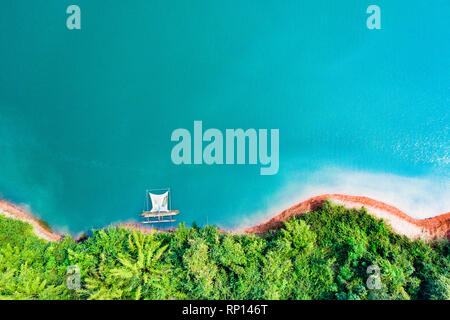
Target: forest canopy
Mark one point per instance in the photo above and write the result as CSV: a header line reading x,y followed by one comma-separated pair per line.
x,y
331,253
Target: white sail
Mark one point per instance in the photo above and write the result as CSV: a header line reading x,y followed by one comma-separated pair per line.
x,y
160,202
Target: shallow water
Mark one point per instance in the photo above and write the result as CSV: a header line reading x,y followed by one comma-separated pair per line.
x,y
86,115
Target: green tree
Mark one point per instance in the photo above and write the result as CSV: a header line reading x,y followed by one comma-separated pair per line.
x,y
140,273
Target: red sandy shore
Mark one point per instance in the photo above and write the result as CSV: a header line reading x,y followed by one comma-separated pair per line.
x,y
436,227
15,212
142,228
431,228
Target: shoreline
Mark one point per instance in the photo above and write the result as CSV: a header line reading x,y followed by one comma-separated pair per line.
x,y
401,223
15,212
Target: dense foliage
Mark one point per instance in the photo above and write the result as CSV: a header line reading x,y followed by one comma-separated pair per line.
x,y
320,255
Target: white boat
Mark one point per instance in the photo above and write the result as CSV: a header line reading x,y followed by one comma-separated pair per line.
x,y
160,211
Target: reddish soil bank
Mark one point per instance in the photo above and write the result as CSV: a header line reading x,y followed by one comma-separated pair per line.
x,y
436,227
142,228
15,212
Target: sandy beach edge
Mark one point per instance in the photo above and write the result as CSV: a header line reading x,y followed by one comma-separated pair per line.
x,y
16,212
401,223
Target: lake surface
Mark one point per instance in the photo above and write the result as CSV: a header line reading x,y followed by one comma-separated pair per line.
x,y
86,115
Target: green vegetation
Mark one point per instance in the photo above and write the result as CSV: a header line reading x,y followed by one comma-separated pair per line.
x,y
321,255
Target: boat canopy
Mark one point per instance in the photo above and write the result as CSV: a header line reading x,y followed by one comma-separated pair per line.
x,y
160,202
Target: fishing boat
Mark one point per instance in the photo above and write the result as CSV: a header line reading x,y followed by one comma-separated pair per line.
x,y
160,211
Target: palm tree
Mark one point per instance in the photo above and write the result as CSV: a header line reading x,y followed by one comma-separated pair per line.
x,y
141,272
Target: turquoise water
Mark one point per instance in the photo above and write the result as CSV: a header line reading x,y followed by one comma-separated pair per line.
x,y
86,115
